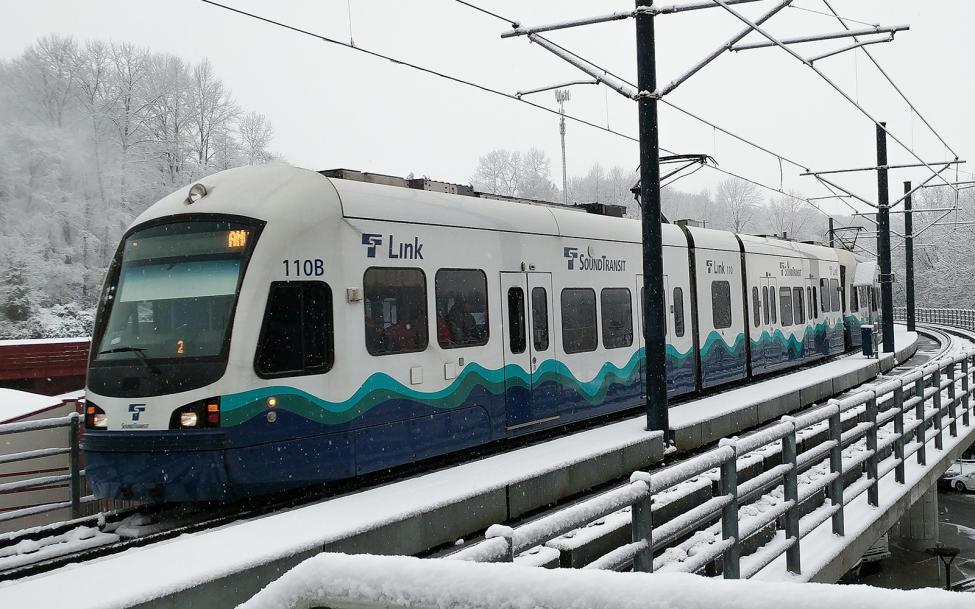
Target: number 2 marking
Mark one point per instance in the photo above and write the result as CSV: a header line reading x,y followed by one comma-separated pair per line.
x,y
179,346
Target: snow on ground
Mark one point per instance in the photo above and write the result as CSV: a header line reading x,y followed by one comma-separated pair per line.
x,y
697,411
339,580
16,404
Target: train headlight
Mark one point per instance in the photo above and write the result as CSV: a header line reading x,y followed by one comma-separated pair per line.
x,y
201,414
95,417
188,419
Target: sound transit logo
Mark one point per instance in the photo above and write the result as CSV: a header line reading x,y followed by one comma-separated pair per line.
x,y
575,259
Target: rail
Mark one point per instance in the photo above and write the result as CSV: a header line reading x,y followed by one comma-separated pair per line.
x,y
958,318
852,443
72,423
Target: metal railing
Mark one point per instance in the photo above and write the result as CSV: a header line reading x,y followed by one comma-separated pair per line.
x,y
853,443
959,318
72,423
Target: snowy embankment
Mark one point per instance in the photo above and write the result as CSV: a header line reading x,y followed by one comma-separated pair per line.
x,y
16,405
341,581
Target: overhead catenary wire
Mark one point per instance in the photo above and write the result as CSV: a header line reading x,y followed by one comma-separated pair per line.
x,y
477,86
510,96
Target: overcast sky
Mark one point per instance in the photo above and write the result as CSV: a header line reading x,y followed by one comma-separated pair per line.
x,y
334,107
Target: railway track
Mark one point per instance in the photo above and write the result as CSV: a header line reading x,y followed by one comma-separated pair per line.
x,y
44,549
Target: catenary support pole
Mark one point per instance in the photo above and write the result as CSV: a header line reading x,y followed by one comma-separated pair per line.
x,y
831,242
654,316
883,241
909,257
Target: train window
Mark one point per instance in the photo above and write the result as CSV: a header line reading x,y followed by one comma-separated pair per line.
x,y
854,299
395,307
834,295
540,318
462,314
679,311
721,304
578,320
756,307
813,303
765,304
824,296
617,317
296,335
785,300
798,310
773,304
516,319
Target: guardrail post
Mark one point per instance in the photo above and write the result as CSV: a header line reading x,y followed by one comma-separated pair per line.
x,y
965,401
952,409
790,486
641,528
938,421
506,533
919,431
74,443
836,467
899,430
873,493
729,513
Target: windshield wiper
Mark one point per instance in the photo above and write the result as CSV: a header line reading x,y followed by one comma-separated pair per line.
x,y
138,352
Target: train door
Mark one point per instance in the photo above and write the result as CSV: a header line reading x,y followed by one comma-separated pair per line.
x,y
669,362
770,345
526,309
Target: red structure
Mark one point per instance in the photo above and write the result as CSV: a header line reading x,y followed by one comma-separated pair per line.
x,y
46,366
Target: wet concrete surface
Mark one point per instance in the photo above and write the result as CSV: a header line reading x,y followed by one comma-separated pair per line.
x,y
908,569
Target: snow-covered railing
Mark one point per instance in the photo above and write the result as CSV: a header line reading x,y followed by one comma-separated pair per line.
x,y
958,318
812,465
72,423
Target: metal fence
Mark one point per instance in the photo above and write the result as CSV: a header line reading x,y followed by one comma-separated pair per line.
x,y
860,439
959,318
72,424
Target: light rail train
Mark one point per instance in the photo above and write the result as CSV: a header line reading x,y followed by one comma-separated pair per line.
x,y
274,327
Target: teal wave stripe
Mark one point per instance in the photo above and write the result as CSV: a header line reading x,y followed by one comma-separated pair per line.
x,y
380,387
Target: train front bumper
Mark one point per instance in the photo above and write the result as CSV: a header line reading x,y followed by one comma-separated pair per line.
x,y
163,466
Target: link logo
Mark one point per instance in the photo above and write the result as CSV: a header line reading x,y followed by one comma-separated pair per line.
x,y
371,241
407,250
136,410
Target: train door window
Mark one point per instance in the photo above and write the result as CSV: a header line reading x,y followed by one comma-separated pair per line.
x,y
765,304
854,300
834,295
516,319
824,305
813,304
297,334
756,307
462,314
578,320
678,312
540,318
810,299
721,304
785,300
617,317
395,307
773,304
798,310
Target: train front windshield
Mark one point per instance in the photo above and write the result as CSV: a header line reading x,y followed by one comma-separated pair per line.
x,y
174,294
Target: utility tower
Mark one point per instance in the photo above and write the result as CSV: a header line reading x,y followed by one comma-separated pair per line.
x,y
562,96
